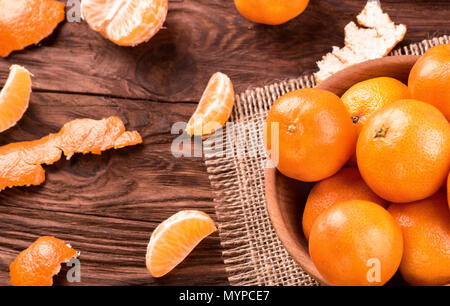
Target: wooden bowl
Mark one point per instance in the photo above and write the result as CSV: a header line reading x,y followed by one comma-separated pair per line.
x,y
286,197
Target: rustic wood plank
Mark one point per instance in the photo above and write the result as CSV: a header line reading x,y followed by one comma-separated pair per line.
x,y
201,37
107,206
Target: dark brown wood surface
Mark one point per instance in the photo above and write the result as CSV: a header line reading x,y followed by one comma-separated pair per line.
x,y
107,206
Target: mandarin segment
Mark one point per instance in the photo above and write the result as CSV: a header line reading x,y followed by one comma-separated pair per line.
x,y
27,22
175,238
314,133
125,22
214,108
20,163
36,265
426,232
14,97
403,151
356,243
345,185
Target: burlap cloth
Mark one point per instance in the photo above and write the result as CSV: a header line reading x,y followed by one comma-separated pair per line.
x,y
252,252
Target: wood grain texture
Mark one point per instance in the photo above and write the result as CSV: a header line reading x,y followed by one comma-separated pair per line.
x,y
107,206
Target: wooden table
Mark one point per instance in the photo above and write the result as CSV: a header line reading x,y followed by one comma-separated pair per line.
x,y
107,206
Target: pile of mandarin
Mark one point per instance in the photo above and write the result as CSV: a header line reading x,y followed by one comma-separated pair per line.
x,y
380,155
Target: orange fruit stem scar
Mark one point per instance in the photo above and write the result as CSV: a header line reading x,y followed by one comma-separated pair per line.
x,y
27,22
381,132
36,265
20,163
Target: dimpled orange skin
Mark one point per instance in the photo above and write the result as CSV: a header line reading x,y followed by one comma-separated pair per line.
x,y
364,98
345,185
27,22
426,233
448,190
403,151
36,265
316,134
429,78
270,12
348,235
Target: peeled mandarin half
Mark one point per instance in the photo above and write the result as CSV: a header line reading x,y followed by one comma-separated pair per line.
x,y
27,22
36,265
14,97
125,22
175,238
214,107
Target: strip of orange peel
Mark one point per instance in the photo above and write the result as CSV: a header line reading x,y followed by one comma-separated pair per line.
x,y
21,162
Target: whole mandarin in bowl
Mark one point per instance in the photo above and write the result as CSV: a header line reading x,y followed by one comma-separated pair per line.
x,y
429,79
403,151
309,134
426,232
345,185
270,12
356,243
366,97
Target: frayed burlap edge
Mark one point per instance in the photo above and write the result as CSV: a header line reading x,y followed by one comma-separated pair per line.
x,y
252,252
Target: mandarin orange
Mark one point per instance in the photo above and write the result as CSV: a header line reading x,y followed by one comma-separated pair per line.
x,y
125,22
426,233
345,185
309,134
429,78
356,243
403,151
271,12
364,98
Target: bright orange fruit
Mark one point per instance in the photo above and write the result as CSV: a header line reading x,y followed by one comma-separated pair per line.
x,y
429,78
364,98
214,107
314,131
37,265
403,151
356,243
27,22
271,12
20,163
14,97
173,240
345,185
125,22
426,233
